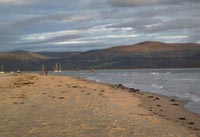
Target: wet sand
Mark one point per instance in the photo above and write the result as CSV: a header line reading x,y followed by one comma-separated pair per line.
x,y
57,106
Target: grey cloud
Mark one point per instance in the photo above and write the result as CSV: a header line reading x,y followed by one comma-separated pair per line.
x,y
29,2
54,18
129,3
8,35
177,24
40,16
136,23
132,2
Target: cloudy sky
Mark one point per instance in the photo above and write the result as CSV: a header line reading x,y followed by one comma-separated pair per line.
x,y
80,25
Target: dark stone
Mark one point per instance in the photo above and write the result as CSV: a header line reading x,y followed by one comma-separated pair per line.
x,y
120,86
150,96
182,118
61,97
137,90
191,123
158,105
157,98
132,90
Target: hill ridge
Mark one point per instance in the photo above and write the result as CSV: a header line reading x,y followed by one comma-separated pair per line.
x,y
148,54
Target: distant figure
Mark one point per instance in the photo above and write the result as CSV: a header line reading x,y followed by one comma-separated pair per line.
x,y
46,72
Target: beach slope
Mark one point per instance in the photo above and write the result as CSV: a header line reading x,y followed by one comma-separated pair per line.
x,y
57,106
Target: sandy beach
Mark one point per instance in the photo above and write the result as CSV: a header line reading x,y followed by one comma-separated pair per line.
x,y
57,106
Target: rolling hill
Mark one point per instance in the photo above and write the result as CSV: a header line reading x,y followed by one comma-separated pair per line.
x,y
23,60
149,54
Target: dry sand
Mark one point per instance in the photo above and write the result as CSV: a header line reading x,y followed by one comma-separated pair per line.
x,y
56,106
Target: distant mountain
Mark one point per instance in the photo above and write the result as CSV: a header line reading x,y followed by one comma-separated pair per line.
x,y
150,54
142,55
23,60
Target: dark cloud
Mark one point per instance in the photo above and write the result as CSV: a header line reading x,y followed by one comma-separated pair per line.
x,y
177,24
129,3
30,24
49,18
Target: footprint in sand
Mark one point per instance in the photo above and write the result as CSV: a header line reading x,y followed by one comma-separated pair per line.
x,y
22,97
195,129
157,98
18,103
150,96
61,97
182,118
21,102
161,115
158,105
191,123
100,94
175,104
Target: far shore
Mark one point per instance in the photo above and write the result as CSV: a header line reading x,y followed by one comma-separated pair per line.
x,y
49,106
63,70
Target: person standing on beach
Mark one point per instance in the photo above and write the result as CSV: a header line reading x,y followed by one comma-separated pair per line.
x,y
46,72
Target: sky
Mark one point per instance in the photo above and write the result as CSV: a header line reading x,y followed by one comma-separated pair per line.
x,y
81,25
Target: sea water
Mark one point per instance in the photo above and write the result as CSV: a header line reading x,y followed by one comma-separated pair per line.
x,y
181,83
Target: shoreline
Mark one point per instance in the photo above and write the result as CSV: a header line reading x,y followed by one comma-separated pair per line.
x,y
184,102
175,101
145,95
88,108
190,105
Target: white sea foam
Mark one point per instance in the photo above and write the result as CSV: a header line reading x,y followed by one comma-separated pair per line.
x,y
124,74
195,97
189,96
157,86
155,73
186,79
92,78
